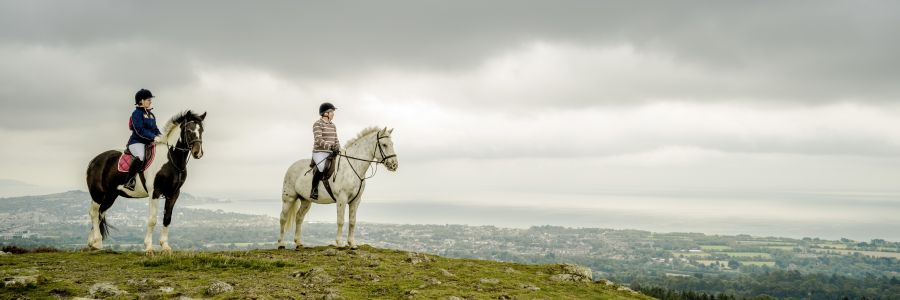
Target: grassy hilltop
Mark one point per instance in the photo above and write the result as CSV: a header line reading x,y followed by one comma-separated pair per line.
x,y
311,273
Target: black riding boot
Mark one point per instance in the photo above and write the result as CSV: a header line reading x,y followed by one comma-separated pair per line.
x,y
133,170
317,177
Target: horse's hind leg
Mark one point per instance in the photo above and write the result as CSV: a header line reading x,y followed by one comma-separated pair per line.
x,y
298,232
95,240
288,209
97,213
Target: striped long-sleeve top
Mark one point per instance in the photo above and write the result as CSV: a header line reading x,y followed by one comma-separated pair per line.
x,y
324,136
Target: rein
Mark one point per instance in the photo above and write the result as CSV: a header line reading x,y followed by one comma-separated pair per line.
x,y
173,148
362,179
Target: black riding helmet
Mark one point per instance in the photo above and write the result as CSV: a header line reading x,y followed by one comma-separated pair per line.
x,y
141,95
325,107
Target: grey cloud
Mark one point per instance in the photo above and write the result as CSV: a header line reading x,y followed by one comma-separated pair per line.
x,y
801,51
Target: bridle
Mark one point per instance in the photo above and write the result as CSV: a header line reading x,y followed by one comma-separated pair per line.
x,y
182,139
362,178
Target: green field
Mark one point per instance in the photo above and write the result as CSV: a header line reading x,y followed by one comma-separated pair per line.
x,y
748,254
868,253
759,263
832,245
689,254
765,243
714,247
785,248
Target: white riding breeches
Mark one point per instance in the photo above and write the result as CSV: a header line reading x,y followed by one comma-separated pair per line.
x,y
137,150
319,157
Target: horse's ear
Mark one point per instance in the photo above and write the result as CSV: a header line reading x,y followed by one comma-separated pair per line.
x,y
203,116
390,131
383,130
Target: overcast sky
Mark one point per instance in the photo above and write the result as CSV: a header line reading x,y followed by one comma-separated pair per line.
x,y
490,100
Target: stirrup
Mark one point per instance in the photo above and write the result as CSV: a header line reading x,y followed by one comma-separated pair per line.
x,y
138,191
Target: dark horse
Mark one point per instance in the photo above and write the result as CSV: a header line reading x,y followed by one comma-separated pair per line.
x,y
164,177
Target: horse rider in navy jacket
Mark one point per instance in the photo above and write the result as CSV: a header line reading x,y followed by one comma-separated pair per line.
x,y
143,132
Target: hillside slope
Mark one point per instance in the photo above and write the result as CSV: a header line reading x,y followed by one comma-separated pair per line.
x,y
310,273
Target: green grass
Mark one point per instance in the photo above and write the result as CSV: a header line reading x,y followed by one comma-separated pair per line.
x,y
366,273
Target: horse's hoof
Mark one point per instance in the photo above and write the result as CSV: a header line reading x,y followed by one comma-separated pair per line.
x,y
299,247
149,253
354,247
281,248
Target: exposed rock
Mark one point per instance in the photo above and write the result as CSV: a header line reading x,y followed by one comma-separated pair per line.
x,y
370,261
529,287
454,298
504,297
218,287
314,276
510,270
80,298
21,281
330,252
578,270
417,258
572,272
3,253
447,273
606,282
332,295
166,289
105,290
490,280
433,281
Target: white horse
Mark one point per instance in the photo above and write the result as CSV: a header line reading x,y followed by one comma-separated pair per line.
x,y
372,145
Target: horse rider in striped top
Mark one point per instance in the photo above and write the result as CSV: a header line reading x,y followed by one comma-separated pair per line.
x,y
325,146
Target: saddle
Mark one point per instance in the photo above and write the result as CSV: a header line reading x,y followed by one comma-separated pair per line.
x,y
125,159
329,171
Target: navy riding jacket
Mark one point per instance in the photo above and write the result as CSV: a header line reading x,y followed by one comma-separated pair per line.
x,y
143,126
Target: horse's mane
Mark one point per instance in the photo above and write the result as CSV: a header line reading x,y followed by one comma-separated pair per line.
x,y
170,131
362,134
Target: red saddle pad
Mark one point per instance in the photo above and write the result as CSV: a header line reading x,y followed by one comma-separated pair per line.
x,y
125,160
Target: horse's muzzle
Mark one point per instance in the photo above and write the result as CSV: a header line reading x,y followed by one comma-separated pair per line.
x,y
197,150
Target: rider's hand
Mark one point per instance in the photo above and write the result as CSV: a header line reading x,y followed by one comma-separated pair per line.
x,y
158,139
336,148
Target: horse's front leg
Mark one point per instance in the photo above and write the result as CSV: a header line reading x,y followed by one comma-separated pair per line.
x,y
151,223
341,206
167,219
352,228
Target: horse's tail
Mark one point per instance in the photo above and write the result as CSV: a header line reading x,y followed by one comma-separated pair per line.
x,y
292,215
104,227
